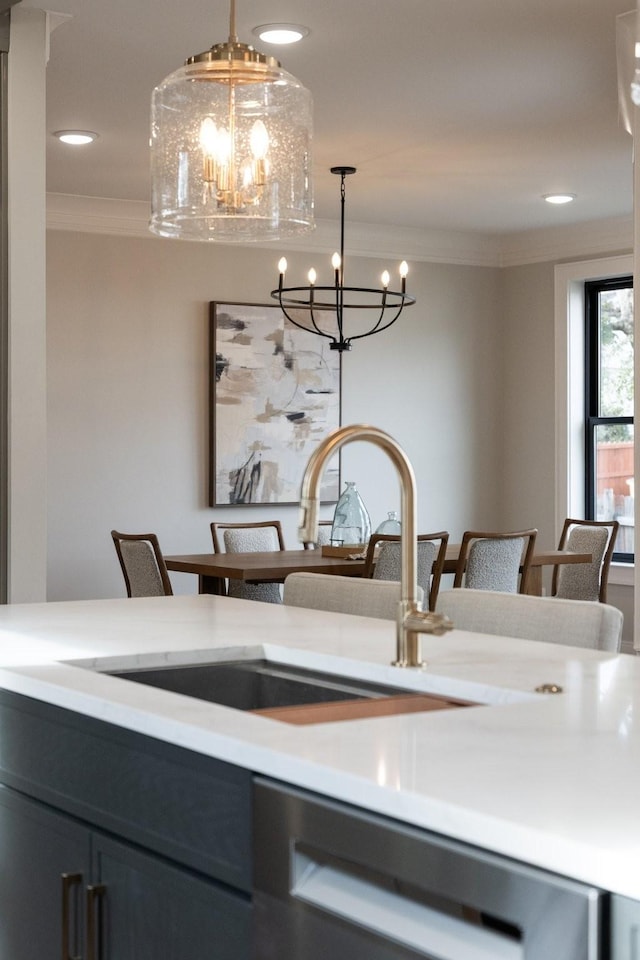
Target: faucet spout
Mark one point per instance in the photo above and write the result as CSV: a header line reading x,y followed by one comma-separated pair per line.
x,y
412,620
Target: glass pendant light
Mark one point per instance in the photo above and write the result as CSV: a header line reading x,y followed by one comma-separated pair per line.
x,y
231,135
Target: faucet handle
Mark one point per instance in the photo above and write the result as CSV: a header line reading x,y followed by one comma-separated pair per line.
x,y
409,628
425,621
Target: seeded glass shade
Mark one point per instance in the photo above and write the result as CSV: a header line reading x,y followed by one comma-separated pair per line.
x,y
231,136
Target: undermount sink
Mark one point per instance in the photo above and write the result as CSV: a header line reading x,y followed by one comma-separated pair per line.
x,y
284,692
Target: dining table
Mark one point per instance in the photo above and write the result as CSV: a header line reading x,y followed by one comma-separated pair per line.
x,y
273,566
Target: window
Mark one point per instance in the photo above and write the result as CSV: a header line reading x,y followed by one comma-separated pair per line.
x,y
608,380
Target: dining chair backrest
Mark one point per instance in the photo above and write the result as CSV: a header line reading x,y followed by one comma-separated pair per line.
x,y
324,534
259,537
142,564
577,623
247,537
494,561
355,595
383,560
585,581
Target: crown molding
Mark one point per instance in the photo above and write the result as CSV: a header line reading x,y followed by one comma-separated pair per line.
x,y
578,241
130,218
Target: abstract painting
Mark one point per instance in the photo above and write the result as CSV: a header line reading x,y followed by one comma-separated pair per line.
x,y
275,393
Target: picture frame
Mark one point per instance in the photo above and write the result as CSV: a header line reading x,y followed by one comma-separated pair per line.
x,y
275,393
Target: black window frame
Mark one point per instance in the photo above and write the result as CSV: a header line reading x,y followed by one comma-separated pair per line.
x,y
592,419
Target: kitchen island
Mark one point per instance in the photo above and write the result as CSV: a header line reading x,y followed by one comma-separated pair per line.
x,y
549,780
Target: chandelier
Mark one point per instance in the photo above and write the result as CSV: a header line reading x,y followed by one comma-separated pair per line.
x,y
313,300
231,136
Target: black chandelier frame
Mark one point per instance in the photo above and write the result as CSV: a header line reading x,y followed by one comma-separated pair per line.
x,y
337,298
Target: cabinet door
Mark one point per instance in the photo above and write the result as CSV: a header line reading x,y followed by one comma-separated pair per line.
x,y
38,849
146,908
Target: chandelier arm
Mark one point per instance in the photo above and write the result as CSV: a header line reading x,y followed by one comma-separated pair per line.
x,y
315,325
311,314
301,326
378,328
383,307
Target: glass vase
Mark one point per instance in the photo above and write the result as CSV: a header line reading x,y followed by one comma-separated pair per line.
x,y
391,526
351,522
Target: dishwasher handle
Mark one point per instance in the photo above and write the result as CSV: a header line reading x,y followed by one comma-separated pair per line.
x,y
390,914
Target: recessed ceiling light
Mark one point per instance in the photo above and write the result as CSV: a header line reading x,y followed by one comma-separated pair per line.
x,y
280,33
76,137
559,198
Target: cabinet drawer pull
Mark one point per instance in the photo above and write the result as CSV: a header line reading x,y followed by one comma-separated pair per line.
x,y
95,893
69,880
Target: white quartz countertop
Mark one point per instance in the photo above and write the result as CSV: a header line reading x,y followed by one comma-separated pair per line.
x,y
552,780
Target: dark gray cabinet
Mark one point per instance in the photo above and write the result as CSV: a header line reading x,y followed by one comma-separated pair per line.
x,y
38,850
115,846
74,892
152,910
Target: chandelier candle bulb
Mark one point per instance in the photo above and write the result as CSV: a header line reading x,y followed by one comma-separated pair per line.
x,y
208,140
404,270
335,263
259,145
259,140
282,268
312,277
385,278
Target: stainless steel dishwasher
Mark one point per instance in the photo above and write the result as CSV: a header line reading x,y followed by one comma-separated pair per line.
x,y
333,882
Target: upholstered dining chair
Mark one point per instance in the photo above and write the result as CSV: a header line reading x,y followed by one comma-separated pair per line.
x,y
143,567
576,623
383,560
258,537
355,595
585,581
493,561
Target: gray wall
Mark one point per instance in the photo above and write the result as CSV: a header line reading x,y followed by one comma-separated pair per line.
x,y
528,399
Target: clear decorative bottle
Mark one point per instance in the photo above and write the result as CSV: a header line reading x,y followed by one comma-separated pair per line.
x,y
351,522
392,525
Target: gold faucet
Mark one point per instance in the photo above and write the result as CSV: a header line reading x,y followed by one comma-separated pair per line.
x,y
412,619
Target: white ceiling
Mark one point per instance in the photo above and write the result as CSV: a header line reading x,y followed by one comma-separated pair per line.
x,y
458,114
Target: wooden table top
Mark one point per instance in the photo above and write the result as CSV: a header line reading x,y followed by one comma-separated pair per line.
x,y
275,565
271,565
